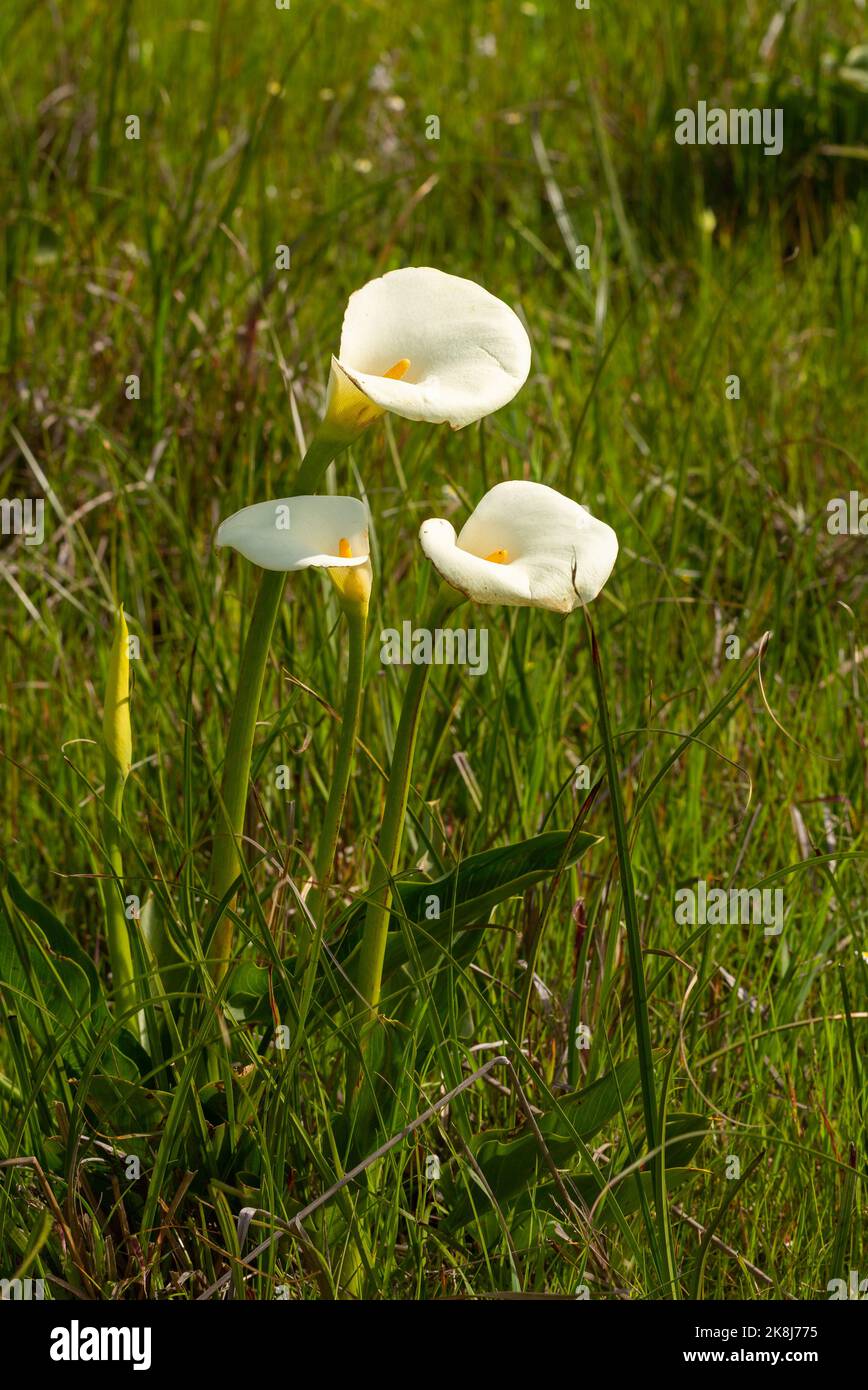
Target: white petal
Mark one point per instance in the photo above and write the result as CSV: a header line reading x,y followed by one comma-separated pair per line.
x,y
295,533
480,579
469,353
558,554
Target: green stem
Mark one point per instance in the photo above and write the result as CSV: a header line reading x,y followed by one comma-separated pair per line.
x,y
226,862
376,928
628,894
357,618
117,930
654,1114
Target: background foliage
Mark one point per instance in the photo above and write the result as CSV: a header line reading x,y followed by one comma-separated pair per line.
x,y
156,257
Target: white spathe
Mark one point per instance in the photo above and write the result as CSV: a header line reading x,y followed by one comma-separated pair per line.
x,y
468,352
554,554
299,533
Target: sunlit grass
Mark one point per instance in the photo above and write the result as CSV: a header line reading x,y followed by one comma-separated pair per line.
x,y
156,259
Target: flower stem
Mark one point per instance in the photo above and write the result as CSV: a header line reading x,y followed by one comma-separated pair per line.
x,y
357,618
628,897
225,861
376,927
117,929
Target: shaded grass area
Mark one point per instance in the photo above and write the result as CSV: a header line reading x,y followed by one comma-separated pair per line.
x,y
155,258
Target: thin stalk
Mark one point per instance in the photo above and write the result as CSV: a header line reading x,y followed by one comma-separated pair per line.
x,y
628,894
376,927
357,619
225,861
117,929
654,1123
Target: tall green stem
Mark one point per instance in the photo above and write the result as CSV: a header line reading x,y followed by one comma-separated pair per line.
x,y
628,894
357,618
654,1114
376,928
117,928
226,862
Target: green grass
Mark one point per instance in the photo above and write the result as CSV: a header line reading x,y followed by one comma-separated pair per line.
x,y
156,258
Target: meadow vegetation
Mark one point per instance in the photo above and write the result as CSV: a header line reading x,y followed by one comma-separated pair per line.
x,y
719,737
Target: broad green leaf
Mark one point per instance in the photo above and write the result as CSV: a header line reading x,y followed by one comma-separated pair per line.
x,y
509,1164
58,938
49,992
124,1106
468,893
534,1211
685,1132
625,1191
584,1112
153,928
39,1234
52,985
465,897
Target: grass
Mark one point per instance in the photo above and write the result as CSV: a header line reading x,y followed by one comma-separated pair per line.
x,y
155,258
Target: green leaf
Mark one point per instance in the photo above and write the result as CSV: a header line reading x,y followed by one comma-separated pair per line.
x,y
535,1210
152,925
466,896
625,1191
39,1234
58,938
52,985
584,1112
124,1106
48,991
467,893
684,1134
509,1164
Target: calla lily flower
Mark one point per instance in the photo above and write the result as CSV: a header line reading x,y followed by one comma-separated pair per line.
x,y
525,545
299,533
426,346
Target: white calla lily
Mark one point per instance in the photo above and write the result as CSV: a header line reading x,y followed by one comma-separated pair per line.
x,y
525,545
426,346
299,533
